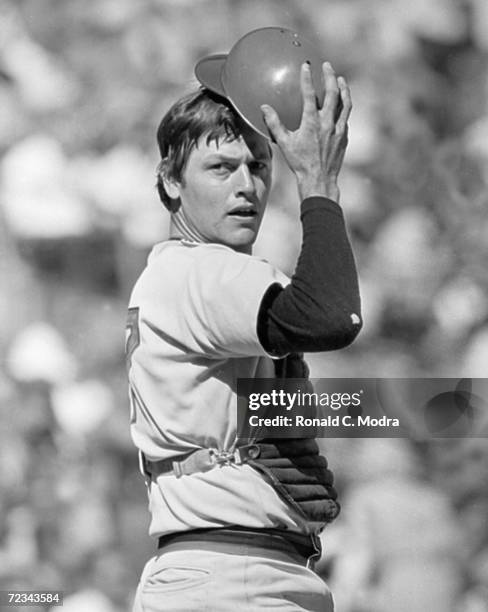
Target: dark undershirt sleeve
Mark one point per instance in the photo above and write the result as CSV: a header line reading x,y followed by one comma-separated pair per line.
x,y
320,310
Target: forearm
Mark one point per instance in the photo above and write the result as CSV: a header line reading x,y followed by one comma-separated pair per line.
x,y
320,309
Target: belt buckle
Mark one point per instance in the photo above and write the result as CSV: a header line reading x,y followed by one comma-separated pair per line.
x,y
222,457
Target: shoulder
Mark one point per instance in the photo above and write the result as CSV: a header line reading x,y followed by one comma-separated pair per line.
x,y
226,266
207,268
190,251
211,257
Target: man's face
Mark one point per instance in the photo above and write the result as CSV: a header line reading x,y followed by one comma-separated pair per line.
x,y
224,189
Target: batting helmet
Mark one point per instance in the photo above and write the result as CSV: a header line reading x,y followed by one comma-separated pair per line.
x,y
263,67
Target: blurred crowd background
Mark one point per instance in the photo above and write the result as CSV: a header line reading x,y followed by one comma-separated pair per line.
x,y
83,85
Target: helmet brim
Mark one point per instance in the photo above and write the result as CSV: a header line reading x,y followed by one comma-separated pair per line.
x,y
208,71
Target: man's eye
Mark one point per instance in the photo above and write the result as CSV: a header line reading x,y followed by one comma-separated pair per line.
x,y
258,166
221,168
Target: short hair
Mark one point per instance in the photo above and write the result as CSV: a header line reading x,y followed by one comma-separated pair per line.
x,y
198,113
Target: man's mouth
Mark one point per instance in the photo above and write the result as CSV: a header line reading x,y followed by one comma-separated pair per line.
x,y
243,212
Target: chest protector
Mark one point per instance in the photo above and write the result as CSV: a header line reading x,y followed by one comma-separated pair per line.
x,y
295,467
300,475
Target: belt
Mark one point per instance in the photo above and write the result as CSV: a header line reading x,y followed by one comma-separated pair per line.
x,y
269,543
201,460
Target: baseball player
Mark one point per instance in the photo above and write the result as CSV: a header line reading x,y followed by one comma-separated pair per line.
x,y
236,525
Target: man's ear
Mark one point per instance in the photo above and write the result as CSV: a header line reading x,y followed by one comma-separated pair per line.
x,y
171,186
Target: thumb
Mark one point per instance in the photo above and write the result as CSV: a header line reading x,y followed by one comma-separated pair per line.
x,y
276,128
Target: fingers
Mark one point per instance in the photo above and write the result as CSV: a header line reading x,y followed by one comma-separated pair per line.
x,y
331,94
308,92
345,93
272,120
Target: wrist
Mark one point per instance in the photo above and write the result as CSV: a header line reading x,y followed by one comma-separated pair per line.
x,y
332,192
309,188
310,184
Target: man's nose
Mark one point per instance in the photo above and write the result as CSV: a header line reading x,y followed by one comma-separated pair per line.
x,y
244,183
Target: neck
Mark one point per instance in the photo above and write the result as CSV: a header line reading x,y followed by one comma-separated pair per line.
x,y
180,228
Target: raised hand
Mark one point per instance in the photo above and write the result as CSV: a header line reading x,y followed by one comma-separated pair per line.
x,y
315,151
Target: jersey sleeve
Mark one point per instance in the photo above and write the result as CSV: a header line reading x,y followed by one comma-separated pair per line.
x,y
224,291
320,310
